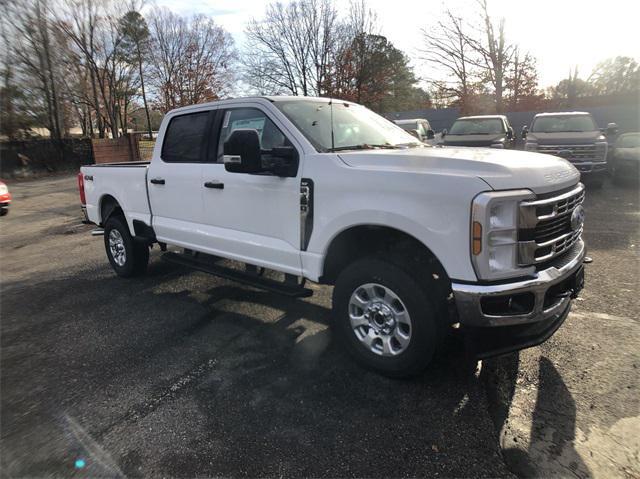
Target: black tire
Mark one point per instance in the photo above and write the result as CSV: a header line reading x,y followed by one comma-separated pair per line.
x,y
136,253
421,300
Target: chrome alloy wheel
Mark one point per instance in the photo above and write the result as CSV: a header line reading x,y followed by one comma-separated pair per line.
x,y
380,319
116,246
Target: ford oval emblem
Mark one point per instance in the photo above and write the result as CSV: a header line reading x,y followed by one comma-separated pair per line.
x,y
577,218
566,154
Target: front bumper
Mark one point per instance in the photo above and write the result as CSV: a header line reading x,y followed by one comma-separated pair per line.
x,y
542,298
588,168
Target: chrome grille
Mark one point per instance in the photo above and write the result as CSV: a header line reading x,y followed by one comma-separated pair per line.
x,y
579,153
545,226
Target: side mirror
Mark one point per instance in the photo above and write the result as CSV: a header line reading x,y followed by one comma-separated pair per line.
x,y
510,133
430,134
612,129
444,133
281,160
525,132
242,152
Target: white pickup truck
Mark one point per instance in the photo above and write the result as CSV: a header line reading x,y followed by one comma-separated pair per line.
x,y
417,240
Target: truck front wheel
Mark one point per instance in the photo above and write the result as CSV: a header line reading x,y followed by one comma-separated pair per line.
x,y
128,256
387,319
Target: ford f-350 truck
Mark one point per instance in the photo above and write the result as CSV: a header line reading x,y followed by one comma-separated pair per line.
x,y
573,136
415,239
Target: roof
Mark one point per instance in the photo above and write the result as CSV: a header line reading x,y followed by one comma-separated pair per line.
x,y
273,99
410,120
563,113
303,98
482,117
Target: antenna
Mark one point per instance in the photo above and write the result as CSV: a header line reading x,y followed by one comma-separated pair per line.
x,y
333,146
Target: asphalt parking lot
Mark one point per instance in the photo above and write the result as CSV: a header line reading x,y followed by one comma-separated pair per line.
x,y
183,374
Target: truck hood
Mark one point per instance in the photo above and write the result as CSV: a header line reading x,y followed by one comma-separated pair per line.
x,y
501,169
473,140
566,138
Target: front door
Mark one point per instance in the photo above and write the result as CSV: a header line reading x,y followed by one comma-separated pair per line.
x,y
254,218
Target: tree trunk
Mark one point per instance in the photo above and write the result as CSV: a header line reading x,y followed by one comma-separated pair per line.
x,y
144,96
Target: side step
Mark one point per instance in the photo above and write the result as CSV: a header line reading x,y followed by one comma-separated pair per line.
x,y
295,291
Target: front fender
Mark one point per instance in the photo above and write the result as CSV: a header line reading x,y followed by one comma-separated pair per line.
x,y
448,241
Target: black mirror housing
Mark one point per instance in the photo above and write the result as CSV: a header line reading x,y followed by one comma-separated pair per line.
x,y
444,133
525,132
430,135
242,152
510,133
281,161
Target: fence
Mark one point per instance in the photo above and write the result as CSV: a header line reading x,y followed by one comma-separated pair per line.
x,y
627,116
42,157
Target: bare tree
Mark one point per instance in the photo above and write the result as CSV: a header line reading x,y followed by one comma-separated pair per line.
x,y
495,51
521,81
191,59
37,62
450,50
291,48
135,34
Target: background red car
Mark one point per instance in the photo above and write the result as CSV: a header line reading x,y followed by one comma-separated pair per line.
x,y
5,199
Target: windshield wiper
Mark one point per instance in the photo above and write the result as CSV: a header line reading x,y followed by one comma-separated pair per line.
x,y
560,131
413,144
363,146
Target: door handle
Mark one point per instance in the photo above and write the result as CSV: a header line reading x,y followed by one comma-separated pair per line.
x,y
214,184
157,181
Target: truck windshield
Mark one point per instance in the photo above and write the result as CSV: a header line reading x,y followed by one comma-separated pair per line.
x,y
354,127
563,124
477,126
408,126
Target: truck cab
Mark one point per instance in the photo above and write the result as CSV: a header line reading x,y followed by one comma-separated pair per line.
x,y
418,127
413,239
493,131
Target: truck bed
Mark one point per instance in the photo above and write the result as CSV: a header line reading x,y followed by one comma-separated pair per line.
x,y
126,164
125,181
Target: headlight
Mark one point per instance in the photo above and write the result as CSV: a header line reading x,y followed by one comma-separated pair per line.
x,y
601,150
494,234
530,146
497,145
3,189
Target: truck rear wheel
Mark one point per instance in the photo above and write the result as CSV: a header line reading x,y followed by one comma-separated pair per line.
x,y
386,318
128,256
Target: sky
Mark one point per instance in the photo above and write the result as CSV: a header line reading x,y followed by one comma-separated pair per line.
x,y
561,34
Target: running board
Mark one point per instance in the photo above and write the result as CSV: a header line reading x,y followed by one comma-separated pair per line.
x,y
295,291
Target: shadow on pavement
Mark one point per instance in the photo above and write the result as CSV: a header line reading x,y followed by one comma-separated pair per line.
x,y
176,374
550,449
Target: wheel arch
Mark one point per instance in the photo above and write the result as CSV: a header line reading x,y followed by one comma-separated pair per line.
x,y
107,206
355,242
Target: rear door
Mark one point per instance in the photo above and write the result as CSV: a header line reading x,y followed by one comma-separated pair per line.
x,y
174,180
253,218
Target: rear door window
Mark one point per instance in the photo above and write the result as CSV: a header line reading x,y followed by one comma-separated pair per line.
x,y
184,140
